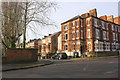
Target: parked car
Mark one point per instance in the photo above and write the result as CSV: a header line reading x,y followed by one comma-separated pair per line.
x,y
59,56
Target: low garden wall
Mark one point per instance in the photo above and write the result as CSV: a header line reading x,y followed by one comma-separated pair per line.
x,y
20,55
107,53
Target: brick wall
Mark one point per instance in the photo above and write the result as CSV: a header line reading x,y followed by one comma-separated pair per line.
x,y
20,55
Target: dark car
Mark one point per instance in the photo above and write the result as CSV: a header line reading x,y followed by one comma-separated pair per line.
x,y
59,56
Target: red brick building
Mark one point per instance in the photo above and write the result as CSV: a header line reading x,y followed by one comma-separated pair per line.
x,y
49,44
32,44
88,33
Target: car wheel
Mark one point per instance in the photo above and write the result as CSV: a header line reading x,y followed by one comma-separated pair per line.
x,y
59,58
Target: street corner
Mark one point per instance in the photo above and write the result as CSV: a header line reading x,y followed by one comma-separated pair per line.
x,y
8,67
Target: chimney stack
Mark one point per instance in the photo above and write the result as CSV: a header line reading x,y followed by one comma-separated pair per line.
x,y
103,17
93,12
85,15
117,20
110,18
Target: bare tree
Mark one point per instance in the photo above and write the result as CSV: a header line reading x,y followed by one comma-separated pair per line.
x,y
11,19
37,12
16,17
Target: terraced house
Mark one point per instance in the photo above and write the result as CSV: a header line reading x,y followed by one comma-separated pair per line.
x,y
49,44
88,33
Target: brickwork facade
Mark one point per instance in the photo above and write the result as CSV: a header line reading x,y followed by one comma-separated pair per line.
x,y
49,44
88,33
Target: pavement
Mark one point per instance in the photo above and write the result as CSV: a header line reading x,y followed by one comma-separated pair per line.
x,y
10,67
94,57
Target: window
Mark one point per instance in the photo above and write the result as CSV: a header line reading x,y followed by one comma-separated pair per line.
x,y
65,27
97,33
81,34
112,27
76,23
107,35
113,36
73,35
73,46
81,23
66,36
73,24
116,37
115,28
89,46
104,35
77,34
66,47
107,26
103,25
118,28
88,33
96,45
88,22
95,23
43,46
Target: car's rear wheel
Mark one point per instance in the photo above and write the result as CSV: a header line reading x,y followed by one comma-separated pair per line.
x,y
59,58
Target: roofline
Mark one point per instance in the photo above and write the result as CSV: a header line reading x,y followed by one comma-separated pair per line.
x,y
87,17
78,16
105,20
51,35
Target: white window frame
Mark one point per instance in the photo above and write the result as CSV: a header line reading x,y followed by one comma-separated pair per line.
x,y
107,26
77,34
103,24
114,36
81,34
95,22
77,23
73,24
65,27
118,28
88,33
97,46
73,38
88,22
107,35
65,37
104,35
112,27
66,47
97,33
73,46
89,47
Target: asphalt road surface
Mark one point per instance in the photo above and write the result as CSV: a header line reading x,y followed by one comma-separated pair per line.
x,y
90,68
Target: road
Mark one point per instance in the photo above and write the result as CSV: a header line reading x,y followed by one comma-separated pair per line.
x,y
90,68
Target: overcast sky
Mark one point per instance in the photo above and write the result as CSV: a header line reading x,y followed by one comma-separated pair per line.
x,y
70,8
